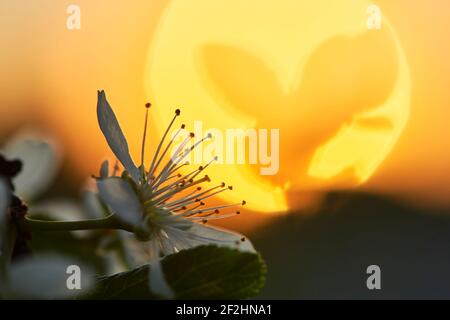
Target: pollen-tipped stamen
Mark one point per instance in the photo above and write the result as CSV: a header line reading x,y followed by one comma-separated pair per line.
x,y
206,165
165,151
115,168
177,113
196,198
186,176
147,106
166,171
182,155
213,210
176,184
186,210
164,196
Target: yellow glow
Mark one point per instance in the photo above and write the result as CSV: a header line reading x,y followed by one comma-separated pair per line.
x,y
367,147
253,64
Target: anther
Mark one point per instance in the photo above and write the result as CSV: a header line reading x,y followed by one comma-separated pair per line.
x,y
244,202
230,187
148,105
204,221
178,112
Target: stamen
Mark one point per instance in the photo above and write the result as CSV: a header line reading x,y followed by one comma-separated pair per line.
x,y
178,175
166,171
167,149
193,192
190,199
210,216
182,180
206,165
147,106
208,212
184,177
115,168
172,166
189,211
177,190
186,152
177,113
213,194
221,207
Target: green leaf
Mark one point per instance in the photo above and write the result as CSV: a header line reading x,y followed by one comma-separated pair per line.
x,y
205,272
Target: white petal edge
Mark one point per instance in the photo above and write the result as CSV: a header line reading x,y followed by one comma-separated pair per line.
x,y
45,277
220,237
157,280
120,197
181,237
40,161
114,136
92,206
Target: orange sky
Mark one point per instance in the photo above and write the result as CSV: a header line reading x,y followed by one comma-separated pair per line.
x,y
419,165
50,76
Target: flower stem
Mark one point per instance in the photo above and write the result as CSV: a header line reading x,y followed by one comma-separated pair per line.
x,y
110,222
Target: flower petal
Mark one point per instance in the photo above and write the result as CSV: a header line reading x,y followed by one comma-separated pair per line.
x,y
114,135
45,277
92,205
157,280
104,169
121,199
200,234
40,165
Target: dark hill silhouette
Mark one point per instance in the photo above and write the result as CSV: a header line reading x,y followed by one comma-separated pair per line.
x,y
326,255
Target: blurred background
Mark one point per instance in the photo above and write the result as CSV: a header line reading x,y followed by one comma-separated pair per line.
x,y
364,152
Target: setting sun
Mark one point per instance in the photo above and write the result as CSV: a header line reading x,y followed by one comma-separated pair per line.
x,y
339,92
